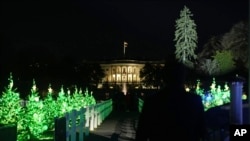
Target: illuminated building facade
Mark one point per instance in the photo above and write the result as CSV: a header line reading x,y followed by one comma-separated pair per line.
x,y
124,72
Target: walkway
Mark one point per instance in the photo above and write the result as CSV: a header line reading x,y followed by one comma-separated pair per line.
x,y
118,126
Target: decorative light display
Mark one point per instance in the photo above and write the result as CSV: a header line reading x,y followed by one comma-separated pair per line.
x,y
69,101
62,104
50,108
89,99
11,110
36,116
78,99
10,105
216,96
198,89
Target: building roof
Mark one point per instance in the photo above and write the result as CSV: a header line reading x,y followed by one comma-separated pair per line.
x,y
131,61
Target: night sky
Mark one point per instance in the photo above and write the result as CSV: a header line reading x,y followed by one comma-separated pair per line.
x,y
96,30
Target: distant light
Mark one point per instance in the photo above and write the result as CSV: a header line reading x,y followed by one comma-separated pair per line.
x,y
187,89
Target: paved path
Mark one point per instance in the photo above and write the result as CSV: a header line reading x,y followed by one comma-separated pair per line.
x,y
118,126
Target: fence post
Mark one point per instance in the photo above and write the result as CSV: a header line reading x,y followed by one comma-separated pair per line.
x,y
95,115
99,115
81,124
87,120
60,129
92,114
73,125
236,101
87,116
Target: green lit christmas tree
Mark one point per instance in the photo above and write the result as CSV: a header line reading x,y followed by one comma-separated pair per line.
x,y
69,101
35,114
78,99
62,104
198,89
50,108
89,99
10,106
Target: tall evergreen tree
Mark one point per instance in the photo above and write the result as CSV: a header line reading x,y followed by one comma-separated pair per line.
x,y
186,37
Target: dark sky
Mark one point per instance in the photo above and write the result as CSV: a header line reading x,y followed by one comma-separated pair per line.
x,y
96,30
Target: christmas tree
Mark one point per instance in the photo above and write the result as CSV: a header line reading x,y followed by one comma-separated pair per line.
x,y
77,99
69,101
50,108
35,114
62,104
186,37
10,106
89,99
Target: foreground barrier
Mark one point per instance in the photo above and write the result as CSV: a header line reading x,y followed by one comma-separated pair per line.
x,y
71,126
75,125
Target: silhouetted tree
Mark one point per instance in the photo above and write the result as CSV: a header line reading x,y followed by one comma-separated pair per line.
x,y
225,61
91,74
236,40
151,75
225,53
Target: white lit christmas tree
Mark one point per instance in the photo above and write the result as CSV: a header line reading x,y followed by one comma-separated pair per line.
x,y
185,37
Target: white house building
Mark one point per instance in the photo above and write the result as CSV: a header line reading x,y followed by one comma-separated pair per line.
x,y
123,72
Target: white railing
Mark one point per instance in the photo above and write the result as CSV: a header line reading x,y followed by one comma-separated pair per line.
x,y
76,124
97,113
